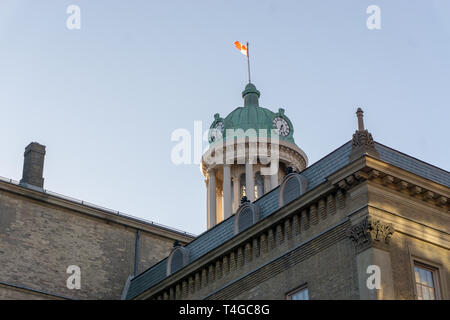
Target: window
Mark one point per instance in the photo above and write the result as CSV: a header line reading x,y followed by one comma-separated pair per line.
x,y
246,216
425,278
299,294
245,219
178,258
242,187
292,187
176,262
259,185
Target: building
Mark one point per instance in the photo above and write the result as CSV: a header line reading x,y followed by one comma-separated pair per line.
x,y
42,233
364,222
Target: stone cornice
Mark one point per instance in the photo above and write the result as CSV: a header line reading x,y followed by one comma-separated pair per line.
x,y
289,153
411,227
405,175
358,171
240,239
408,183
367,168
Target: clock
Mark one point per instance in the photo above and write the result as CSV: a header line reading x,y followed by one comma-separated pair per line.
x,y
216,131
281,126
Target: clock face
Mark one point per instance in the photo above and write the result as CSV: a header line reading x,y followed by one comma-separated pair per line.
x,y
217,131
281,126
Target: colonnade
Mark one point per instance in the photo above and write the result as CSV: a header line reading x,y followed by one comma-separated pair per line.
x,y
231,185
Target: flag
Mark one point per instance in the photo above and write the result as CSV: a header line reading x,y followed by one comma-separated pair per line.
x,y
242,48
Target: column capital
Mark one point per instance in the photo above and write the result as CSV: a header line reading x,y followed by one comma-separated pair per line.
x,y
370,232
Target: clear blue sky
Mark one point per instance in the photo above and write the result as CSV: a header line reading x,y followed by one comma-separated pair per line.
x,y
105,99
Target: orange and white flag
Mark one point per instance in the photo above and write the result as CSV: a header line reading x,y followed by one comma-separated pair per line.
x,y
241,47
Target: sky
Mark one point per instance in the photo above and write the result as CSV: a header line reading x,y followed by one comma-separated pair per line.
x,y
105,99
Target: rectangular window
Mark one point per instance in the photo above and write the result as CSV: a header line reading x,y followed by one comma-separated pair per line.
x,y
426,285
301,294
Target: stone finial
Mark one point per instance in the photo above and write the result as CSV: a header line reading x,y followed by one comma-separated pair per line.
x,y
360,116
250,95
362,142
176,243
244,200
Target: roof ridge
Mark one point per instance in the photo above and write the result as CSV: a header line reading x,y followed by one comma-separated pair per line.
x,y
407,155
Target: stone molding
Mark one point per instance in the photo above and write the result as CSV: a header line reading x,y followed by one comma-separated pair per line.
x,y
288,153
370,231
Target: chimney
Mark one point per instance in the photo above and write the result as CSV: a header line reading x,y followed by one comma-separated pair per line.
x,y
33,165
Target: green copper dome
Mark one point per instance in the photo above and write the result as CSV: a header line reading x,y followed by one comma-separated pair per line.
x,y
252,116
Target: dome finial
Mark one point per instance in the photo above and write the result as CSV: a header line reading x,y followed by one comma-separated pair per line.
x,y
250,95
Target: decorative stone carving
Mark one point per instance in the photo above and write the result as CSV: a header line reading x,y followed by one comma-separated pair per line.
x,y
362,142
362,138
370,231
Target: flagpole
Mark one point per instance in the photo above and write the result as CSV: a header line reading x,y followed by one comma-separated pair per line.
x,y
248,63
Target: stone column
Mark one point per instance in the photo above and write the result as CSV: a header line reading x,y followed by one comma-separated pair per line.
x,y
371,238
212,198
249,182
236,187
273,181
207,201
267,184
226,191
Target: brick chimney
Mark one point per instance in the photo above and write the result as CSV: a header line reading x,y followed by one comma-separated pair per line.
x,y
33,165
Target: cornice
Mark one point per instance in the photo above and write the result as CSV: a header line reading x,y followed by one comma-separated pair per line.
x,y
288,152
240,239
88,210
411,227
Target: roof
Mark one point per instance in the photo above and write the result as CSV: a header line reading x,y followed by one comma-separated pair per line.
x,y
113,213
316,174
252,116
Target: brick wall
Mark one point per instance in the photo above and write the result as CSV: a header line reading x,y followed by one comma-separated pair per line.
x,y
38,241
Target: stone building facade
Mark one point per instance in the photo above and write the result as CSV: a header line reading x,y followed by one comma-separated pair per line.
x,y
43,233
364,222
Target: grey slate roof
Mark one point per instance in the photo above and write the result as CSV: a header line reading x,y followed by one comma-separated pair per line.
x,y
268,204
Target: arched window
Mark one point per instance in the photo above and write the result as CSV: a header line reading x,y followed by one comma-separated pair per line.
x,y
259,185
242,186
177,259
246,216
292,187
